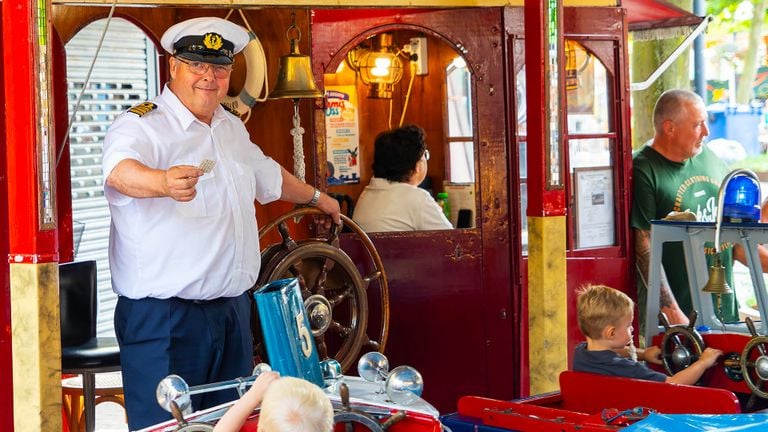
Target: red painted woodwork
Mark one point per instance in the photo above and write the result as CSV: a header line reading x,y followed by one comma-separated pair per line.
x,y
452,313
63,175
715,376
584,398
27,243
542,201
6,363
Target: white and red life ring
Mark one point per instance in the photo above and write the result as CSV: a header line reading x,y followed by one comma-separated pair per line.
x,y
255,79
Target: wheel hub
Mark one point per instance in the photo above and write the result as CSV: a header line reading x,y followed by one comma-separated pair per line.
x,y
320,313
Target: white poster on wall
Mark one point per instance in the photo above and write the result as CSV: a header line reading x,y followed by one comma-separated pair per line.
x,y
342,135
593,189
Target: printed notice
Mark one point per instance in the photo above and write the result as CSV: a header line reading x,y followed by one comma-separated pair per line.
x,y
593,189
343,135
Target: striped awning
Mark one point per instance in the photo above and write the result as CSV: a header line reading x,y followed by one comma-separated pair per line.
x,y
654,14
657,19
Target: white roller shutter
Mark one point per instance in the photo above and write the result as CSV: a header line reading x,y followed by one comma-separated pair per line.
x,y
124,74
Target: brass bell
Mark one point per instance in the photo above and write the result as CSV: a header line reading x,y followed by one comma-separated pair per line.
x,y
294,77
717,283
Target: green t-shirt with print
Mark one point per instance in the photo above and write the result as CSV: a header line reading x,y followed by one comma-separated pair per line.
x,y
661,186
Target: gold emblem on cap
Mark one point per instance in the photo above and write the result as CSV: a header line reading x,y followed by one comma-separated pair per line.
x,y
212,41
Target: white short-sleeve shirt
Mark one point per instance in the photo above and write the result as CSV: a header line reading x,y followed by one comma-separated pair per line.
x,y
202,249
396,206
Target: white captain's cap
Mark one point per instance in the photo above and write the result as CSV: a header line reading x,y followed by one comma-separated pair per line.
x,y
206,39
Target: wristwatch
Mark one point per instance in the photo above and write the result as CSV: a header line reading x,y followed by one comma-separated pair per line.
x,y
315,198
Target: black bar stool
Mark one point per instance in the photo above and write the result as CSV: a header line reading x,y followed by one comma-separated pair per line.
x,y
82,352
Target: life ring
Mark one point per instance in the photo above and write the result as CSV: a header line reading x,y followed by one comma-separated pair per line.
x,y
255,79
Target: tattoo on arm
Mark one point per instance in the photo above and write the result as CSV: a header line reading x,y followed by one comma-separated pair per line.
x,y
643,258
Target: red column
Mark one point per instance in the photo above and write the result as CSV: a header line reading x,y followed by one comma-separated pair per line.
x,y
30,235
29,241
543,200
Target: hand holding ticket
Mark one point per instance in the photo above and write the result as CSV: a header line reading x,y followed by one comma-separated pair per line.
x,y
206,165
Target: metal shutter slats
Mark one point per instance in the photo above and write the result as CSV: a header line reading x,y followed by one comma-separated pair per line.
x,y
121,78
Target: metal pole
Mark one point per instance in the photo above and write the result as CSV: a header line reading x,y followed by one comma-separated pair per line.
x,y
699,67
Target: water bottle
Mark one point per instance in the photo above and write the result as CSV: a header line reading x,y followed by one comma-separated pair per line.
x,y
442,201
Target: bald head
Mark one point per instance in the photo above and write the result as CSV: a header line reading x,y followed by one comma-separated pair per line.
x,y
670,106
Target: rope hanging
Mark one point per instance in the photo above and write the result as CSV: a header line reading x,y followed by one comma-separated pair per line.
x,y
298,143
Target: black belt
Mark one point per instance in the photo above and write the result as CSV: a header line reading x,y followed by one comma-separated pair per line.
x,y
205,302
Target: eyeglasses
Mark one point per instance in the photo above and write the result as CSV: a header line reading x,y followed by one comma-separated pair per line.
x,y
201,68
426,154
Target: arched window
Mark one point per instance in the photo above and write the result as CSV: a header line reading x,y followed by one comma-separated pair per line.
x,y
125,73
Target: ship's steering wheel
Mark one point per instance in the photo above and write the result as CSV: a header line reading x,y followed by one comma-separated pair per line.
x,y
681,345
336,294
754,362
347,415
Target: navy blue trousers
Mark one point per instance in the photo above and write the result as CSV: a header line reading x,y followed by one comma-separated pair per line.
x,y
202,342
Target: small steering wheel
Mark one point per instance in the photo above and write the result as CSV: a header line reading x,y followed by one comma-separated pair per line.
x,y
681,345
335,292
348,415
754,362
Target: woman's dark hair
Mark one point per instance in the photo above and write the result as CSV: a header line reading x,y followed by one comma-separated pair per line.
x,y
397,152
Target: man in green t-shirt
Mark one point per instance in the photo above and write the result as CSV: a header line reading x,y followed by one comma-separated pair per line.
x,y
677,172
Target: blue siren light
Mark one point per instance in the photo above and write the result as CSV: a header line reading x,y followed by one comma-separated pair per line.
x,y
742,199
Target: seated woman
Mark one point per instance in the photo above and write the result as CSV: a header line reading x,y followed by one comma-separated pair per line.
x,y
392,201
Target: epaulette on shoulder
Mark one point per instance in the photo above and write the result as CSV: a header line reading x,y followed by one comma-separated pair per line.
x,y
143,108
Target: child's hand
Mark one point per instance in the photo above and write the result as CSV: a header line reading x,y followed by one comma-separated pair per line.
x,y
709,356
256,393
652,354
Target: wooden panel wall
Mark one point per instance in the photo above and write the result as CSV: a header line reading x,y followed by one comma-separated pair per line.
x,y
426,108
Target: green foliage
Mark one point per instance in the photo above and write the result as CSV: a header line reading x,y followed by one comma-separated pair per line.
x,y
726,19
758,163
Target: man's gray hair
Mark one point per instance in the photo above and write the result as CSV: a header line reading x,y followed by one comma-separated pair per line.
x,y
669,106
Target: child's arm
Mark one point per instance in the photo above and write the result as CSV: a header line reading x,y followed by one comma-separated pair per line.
x,y
692,373
652,354
238,413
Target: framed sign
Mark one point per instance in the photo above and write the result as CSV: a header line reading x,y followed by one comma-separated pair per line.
x,y
594,207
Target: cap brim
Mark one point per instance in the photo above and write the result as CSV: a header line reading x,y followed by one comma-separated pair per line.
x,y
213,58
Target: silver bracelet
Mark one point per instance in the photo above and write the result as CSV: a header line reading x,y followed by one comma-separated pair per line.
x,y
315,198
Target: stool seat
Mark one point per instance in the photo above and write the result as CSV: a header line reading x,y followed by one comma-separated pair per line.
x,y
96,353
82,351
107,384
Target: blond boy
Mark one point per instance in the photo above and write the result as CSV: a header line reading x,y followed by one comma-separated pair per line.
x,y
287,405
605,318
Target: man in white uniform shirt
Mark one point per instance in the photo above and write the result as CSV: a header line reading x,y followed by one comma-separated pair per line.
x,y
184,246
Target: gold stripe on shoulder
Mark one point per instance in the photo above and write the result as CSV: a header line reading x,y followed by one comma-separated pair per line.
x,y
142,108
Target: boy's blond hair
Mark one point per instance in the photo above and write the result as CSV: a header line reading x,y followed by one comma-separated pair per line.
x,y
600,306
295,405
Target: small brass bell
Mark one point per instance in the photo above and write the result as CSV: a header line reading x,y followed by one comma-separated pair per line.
x,y
717,283
294,77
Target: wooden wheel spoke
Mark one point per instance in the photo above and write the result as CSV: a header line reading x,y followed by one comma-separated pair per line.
x,y
761,348
760,383
322,278
372,344
372,276
341,296
287,240
322,347
341,330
